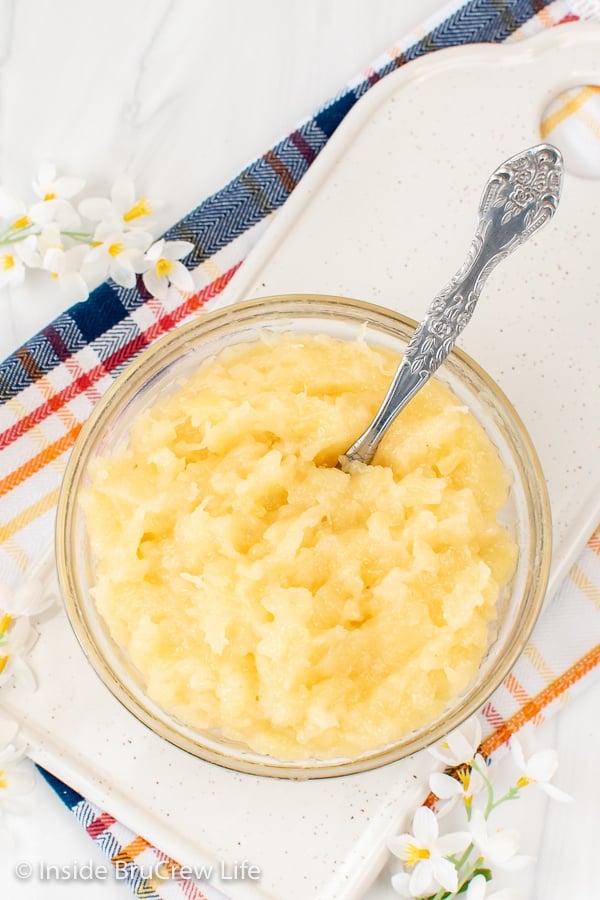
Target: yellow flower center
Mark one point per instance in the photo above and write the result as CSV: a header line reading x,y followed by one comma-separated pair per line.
x,y
140,208
523,781
21,222
464,776
115,249
3,782
163,267
413,854
8,262
5,623
50,196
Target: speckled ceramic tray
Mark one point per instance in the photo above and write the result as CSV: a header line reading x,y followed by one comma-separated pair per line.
x,y
385,214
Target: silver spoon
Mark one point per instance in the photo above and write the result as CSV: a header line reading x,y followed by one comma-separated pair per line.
x,y
519,197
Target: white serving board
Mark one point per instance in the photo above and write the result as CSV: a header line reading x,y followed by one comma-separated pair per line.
x,y
389,210
385,214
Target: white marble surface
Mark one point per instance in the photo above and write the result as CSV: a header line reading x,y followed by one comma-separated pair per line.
x,y
182,95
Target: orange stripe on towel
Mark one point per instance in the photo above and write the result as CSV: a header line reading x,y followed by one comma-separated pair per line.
x,y
533,707
28,515
37,462
570,106
514,687
130,851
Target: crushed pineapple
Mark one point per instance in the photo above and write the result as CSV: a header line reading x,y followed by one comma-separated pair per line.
x,y
267,595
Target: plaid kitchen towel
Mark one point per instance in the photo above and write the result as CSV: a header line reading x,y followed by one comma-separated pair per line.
x,y
49,386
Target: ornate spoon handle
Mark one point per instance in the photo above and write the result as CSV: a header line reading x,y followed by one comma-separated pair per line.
x,y
519,197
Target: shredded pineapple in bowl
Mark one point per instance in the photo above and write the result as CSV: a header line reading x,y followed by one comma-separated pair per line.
x,y
276,611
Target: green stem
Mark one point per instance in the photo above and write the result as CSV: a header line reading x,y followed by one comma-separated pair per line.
x,y
79,236
511,794
488,789
466,877
16,236
465,856
441,894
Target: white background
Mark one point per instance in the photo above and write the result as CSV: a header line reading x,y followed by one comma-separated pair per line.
x,y
183,95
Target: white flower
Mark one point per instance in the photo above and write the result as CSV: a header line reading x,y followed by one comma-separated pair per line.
x,y
18,606
478,890
460,746
29,598
16,773
164,269
55,193
466,783
123,210
17,637
65,267
28,252
538,769
498,848
14,212
116,253
12,268
401,884
425,854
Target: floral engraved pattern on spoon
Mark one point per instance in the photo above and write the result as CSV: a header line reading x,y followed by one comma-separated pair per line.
x,y
520,196
528,186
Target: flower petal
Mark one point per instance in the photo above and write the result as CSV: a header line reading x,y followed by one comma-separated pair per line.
x,y
28,252
181,278
155,251
28,598
67,186
422,883
556,793
477,888
45,176
18,669
444,872
73,287
65,213
542,765
96,208
453,842
21,778
122,274
425,826
50,236
444,786
398,843
158,287
42,213
400,883
8,731
138,239
177,249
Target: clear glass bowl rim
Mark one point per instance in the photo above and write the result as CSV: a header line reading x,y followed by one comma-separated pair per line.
x,y
253,314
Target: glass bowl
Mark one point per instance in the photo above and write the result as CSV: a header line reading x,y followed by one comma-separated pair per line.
x,y
177,355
